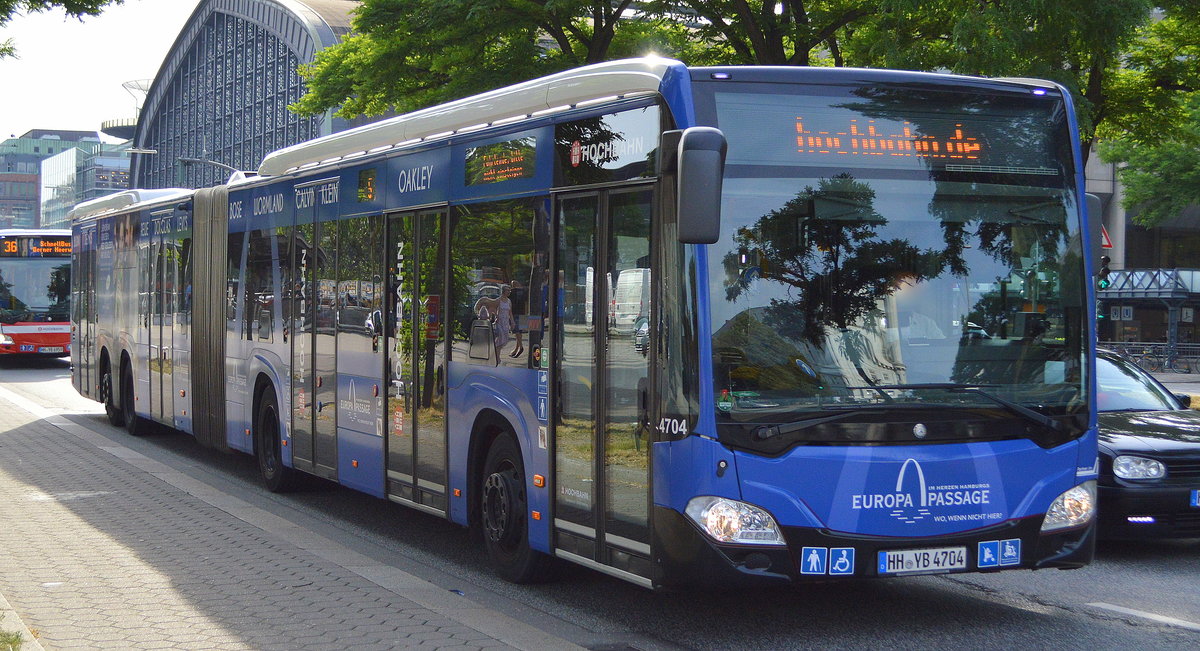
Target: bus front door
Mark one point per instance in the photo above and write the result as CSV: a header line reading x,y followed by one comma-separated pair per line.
x,y
600,381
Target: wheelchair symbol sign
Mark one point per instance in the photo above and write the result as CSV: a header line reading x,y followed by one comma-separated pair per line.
x,y
841,561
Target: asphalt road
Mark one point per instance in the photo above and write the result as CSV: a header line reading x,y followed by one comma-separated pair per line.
x,y
1136,595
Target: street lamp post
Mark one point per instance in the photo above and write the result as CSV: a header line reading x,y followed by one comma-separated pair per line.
x,y
202,161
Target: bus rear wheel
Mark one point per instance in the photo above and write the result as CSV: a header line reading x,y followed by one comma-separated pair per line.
x,y
114,413
503,516
133,423
268,447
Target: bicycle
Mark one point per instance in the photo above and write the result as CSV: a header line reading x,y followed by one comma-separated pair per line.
x,y
1177,363
1151,361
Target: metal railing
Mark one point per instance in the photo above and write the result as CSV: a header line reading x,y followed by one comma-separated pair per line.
x,y
1157,356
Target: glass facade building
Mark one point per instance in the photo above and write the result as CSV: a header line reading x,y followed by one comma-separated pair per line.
x,y
80,173
20,171
223,90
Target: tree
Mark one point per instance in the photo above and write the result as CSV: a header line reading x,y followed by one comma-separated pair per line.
x,y
1077,43
1160,155
74,8
1161,178
408,54
790,32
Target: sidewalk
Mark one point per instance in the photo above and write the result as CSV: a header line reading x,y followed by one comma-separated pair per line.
x,y
1182,383
104,548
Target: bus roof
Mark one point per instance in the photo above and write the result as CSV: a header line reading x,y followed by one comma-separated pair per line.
x,y
595,83
120,200
34,232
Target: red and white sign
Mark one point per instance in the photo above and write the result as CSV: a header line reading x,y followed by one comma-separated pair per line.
x,y
1105,242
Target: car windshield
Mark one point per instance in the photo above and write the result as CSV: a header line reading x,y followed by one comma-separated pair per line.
x,y
907,242
1123,386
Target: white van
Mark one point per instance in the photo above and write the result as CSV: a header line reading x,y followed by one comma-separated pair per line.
x,y
630,300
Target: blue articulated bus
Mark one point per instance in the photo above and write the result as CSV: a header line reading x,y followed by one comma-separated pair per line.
x,y
728,325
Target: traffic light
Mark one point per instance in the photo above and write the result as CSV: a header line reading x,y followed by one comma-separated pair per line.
x,y
1102,280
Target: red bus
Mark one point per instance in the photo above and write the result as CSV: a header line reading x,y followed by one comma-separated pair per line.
x,y
35,290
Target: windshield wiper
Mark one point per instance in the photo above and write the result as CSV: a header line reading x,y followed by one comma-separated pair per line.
x,y
978,389
771,431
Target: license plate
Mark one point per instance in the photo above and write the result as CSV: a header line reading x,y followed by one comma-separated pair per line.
x,y
50,349
923,561
1196,498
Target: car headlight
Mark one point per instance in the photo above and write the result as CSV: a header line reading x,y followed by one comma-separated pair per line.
x,y
731,521
5,339
1073,508
1130,467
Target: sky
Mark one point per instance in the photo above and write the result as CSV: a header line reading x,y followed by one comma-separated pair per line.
x,y
69,72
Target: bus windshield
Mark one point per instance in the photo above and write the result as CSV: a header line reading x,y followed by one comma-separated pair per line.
x,y
34,289
889,252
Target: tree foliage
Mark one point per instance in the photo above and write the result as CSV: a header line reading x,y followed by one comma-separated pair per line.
x,y
1161,178
1159,151
74,8
408,54
1131,65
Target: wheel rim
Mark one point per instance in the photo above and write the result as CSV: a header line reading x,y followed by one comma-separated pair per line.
x,y
106,388
268,429
499,493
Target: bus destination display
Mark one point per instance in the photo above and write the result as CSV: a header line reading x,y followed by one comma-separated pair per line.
x,y
34,247
874,141
903,133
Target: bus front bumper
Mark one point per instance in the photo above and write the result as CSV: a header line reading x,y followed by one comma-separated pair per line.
x,y
688,557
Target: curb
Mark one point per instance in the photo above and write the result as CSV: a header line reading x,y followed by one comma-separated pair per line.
x,y
10,621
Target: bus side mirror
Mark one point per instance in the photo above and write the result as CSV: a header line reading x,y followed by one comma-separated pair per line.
x,y
700,166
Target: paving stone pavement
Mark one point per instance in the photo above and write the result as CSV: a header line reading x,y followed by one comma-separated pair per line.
x,y
103,548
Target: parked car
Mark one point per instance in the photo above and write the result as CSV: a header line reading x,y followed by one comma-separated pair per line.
x,y
641,337
1149,455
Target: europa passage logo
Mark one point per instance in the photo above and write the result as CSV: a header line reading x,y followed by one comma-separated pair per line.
x,y
914,499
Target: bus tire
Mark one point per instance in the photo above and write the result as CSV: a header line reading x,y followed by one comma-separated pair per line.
x,y
268,448
111,410
133,422
503,515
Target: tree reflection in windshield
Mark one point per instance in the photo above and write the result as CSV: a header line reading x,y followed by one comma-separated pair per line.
x,y
961,287
825,243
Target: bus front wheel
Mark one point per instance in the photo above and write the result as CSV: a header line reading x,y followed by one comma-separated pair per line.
x,y
503,515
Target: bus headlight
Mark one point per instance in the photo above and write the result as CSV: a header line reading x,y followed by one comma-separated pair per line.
x,y
5,339
1071,509
731,521
1129,467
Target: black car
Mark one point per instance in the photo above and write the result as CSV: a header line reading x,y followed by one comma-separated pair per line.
x,y
1149,455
